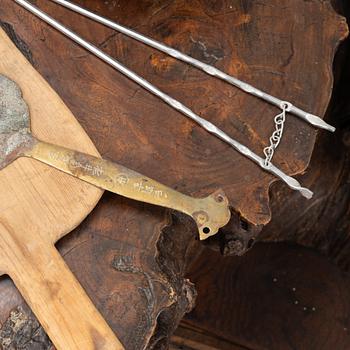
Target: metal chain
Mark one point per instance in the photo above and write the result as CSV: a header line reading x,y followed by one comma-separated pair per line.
x,y
211,128
277,134
211,70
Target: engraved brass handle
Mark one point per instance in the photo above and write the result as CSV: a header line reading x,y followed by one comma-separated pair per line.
x,y
16,140
210,213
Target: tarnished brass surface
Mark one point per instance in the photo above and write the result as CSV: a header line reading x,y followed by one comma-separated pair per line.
x,y
210,213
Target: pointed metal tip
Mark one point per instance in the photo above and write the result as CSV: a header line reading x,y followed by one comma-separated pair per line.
x,y
290,181
320,123
306,192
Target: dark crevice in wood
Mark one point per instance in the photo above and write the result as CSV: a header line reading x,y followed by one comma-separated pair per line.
x,y
173,248
339,107
236,238
20,44
176,247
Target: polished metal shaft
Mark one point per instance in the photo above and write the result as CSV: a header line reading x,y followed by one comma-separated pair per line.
x,y
213,71
291,182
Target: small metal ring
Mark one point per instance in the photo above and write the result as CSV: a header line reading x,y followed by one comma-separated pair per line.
x,y
286,106
265,165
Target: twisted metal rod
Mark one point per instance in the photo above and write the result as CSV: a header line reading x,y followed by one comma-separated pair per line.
x,y
213,71
211,128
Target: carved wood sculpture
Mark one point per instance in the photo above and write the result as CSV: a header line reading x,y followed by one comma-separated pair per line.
x,y
130,257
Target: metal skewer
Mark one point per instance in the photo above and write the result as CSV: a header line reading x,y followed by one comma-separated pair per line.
x,y
290,181
213,71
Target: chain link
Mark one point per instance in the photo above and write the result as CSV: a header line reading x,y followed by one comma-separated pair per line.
x,y
277,134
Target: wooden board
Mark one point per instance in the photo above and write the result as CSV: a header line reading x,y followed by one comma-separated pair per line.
x,y
38,205
35,196
123,251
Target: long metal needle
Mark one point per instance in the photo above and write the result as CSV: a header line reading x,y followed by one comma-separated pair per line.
x,y
290,181
213,71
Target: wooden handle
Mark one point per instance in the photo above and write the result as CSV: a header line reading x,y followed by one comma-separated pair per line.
x,y
53,293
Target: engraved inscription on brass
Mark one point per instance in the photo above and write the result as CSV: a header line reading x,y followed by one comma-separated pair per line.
x,y
210,213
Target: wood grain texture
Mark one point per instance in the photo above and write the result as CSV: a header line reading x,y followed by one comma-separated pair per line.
x,y
34,195
192,338
218,34
277,296
323,223
120,252
264,317
39,205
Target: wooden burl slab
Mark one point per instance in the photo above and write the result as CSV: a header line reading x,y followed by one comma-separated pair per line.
x,y
130,264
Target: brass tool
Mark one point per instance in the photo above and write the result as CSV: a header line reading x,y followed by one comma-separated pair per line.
x,y
210,213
